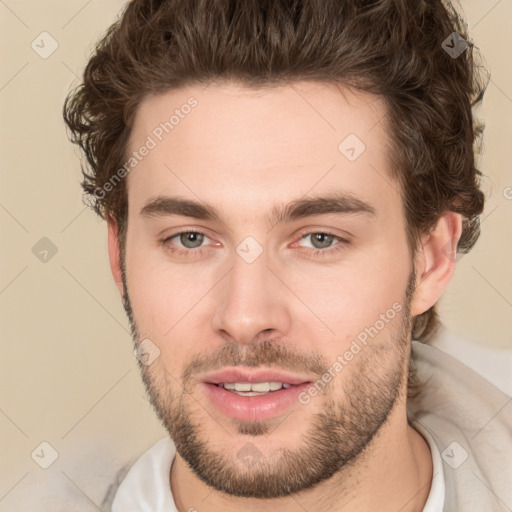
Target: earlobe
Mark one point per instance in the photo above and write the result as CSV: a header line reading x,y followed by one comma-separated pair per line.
x,y
114,255
435,263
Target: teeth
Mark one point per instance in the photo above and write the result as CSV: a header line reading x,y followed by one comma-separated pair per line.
x,y
262,387
259,387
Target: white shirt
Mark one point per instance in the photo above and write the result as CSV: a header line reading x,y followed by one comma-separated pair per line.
x,y
466,421
435,499
146,487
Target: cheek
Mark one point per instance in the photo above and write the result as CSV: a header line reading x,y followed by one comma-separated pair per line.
x,y
157,288
366,293
167,300
163,299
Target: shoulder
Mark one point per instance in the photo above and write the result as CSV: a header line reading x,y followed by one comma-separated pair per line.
x,y
470,420
145,483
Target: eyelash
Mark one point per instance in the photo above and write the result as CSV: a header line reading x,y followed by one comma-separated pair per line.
x,y
316,252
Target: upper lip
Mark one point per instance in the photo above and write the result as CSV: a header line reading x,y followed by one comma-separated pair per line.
x,y
260,375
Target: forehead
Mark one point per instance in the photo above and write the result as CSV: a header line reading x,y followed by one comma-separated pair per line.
x,y
252,147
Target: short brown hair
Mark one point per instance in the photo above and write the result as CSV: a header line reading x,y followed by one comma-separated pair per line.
x,y
397,49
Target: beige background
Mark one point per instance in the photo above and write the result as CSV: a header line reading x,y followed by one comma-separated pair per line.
x,y
68,374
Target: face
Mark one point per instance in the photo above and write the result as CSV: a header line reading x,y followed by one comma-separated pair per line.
x,y
294,260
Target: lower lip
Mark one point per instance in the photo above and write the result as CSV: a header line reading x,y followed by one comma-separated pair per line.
x,y
254,408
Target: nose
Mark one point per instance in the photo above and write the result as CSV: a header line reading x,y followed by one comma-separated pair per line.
x,y
251,300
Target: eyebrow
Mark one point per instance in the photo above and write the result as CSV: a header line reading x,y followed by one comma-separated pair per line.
x,y
334,203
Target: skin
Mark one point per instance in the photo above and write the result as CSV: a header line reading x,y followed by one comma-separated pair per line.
x,y
245,151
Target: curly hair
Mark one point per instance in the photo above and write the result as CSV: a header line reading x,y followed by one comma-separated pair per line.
x,y
397,49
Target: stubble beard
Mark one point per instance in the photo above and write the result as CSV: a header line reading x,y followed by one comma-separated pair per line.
x,y
333,441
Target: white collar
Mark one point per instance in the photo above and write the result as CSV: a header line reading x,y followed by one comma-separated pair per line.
x,y
435,499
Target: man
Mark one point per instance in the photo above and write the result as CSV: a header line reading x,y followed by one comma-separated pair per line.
x,y
286,185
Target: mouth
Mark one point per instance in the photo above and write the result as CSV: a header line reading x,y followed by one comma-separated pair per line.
x,y
253,389
256,395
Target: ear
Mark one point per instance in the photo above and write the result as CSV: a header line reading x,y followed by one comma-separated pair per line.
x,y
114,254
435,262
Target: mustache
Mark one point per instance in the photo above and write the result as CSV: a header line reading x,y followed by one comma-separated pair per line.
x,y
269,353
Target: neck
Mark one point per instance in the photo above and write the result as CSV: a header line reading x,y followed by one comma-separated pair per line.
x,y
393,473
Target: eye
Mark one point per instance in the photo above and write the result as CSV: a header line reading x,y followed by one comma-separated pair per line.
x,y
322,242
189,241
194,238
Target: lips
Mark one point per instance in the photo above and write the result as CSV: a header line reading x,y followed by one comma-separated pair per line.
x,y
254,408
